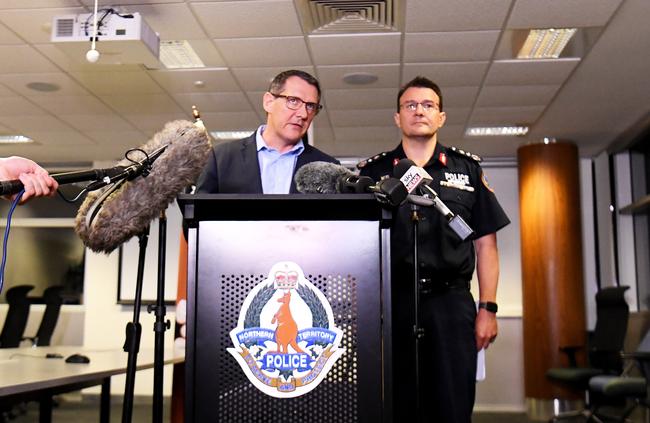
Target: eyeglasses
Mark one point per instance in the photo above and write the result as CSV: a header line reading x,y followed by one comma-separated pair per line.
x,y
427,106
295,103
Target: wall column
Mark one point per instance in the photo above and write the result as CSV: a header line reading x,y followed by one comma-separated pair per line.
x,y
551,255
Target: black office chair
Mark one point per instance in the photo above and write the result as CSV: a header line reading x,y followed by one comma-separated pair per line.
x,y
604,352
625,386
53,301
17,314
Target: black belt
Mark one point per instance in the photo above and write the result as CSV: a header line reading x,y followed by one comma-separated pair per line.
x,y
433,286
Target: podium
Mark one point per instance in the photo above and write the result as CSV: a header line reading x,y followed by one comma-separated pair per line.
x,y
286,299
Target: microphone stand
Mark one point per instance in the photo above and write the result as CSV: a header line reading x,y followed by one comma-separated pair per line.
x,y
418,331
134,331
161,325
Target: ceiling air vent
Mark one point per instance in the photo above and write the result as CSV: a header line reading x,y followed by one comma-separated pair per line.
x,y
64,27
349,16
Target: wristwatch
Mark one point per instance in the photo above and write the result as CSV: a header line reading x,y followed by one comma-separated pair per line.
x,y
489,306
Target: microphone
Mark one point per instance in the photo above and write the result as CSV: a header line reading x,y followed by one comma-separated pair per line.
x,y
417,179
124,210
319,177
331,178
388,191
104,175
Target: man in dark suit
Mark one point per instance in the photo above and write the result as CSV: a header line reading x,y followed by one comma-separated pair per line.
x,y
266,161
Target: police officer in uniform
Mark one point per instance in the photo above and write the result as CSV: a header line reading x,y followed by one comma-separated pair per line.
x,y
453,330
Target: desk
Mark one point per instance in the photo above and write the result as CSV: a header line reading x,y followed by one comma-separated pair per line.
x,y
26,375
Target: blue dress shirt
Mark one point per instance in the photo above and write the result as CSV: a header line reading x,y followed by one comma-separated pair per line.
x,y
276,168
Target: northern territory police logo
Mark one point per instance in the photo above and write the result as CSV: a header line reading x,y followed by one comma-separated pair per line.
x,y
285,339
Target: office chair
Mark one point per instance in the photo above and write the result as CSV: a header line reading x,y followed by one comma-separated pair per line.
x,y
53,300
17,314
636,388
604,351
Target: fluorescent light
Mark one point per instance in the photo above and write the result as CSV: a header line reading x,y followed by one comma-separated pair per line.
x,y
231,135
14,139
179,55
489,131
545,43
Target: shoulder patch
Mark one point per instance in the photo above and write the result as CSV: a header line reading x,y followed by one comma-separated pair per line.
x,y
466,154
371,160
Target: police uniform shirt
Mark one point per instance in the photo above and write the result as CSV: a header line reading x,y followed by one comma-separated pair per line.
x,y
461,185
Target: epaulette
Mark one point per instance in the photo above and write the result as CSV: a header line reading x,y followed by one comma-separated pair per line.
x,y
371,160
467,154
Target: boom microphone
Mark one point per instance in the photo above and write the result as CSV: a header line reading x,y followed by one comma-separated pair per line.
x,y
126,210
417,179
104,175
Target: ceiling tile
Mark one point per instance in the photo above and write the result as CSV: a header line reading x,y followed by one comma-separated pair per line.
x,y
447,74
259,79
516,95
183,80
255,98
87,123
207,52
332,76
377,117
35,25
491,147
170,21
67,86
236,19
459,96
363,98
214,102
24,59
355,48
33,4
496,116
6,92
449,133
8,37
113,83
124,138
60,138
79,64
72,105
561,13
151,104
457,115
457,15
367,134
26,124
127,2
248,52
449,46
530,72
151,124
18,106
230,121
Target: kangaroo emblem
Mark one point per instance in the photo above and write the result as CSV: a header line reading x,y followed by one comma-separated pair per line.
x,y
287,329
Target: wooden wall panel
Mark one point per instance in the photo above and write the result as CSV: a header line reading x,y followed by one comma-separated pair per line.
x,y
551,254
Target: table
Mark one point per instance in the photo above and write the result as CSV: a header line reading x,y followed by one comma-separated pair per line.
x,y
27,375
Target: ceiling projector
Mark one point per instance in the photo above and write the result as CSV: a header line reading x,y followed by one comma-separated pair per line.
x,y
121,38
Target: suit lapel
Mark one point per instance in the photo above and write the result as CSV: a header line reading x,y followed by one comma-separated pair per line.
x,y
250,164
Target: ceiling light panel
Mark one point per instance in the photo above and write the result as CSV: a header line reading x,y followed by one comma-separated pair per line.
x,y
545,43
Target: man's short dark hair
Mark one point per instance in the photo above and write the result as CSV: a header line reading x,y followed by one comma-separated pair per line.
x,y
277,85
420,82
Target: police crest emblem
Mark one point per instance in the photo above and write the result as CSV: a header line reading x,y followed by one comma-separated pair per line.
x,y
285,340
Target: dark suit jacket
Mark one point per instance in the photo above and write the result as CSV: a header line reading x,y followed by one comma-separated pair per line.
x,y
233,168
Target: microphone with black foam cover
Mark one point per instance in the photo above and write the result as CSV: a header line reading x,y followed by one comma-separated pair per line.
x,y
330,178
320,177
125,210
414,178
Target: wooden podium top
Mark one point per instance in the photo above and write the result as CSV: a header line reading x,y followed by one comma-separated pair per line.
x,y
201,207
